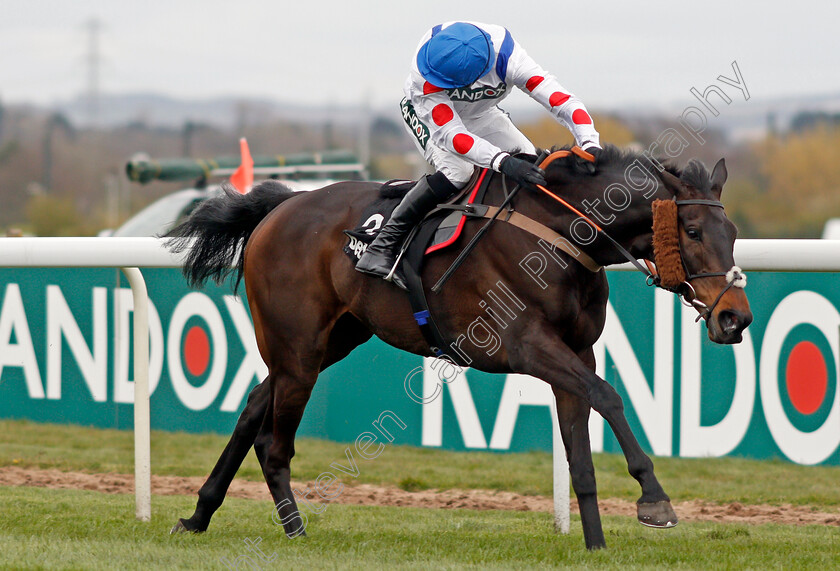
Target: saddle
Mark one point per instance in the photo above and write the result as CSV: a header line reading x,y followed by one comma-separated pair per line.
x,y
449,218
447,221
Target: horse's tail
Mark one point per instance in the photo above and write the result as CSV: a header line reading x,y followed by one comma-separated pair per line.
x,y
215,234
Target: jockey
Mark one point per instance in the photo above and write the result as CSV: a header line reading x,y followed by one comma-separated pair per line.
x,y
460,72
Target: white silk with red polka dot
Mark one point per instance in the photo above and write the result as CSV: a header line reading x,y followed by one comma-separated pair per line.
x,y
452,115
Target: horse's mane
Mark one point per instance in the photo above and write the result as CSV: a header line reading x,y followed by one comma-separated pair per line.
x,y
694,174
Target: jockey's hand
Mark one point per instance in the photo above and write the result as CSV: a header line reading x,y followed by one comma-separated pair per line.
x,y
591,166
596,153
523,172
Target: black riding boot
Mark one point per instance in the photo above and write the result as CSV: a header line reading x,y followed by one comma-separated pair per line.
x,y
380,255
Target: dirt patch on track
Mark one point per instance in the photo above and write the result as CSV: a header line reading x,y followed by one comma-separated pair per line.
x,y
366,494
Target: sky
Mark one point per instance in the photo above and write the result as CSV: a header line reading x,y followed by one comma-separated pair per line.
x,y
611,54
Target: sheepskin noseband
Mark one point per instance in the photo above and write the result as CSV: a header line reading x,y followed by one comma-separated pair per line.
x,y
666,244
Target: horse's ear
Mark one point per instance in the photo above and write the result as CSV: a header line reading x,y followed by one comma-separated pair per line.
x,y
672,183
719,177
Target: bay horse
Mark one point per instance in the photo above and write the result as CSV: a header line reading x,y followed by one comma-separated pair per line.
x,y
311,308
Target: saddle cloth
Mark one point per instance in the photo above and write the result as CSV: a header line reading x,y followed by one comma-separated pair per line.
x,y
450,223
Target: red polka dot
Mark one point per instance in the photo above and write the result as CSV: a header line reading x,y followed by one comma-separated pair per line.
x,y
558,98
581,117
196,351
429,88
462,143
442,114
806,377
532,83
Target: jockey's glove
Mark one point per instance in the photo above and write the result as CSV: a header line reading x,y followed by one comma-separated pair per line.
x,y
595,152
523,172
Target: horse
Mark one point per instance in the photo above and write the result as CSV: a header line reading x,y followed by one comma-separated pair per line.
x,y
311,308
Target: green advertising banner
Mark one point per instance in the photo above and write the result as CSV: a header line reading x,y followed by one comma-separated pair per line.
x,y
65,356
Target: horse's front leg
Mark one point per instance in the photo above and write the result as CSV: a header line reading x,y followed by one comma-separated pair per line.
x,y
543,355
573,417
212,493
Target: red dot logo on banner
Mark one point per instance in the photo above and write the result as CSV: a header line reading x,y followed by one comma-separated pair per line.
x,y
196,351
806,377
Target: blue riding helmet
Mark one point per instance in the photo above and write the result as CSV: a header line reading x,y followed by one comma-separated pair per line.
x,y
456,56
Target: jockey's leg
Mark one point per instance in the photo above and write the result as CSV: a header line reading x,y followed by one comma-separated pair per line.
x,y
380,255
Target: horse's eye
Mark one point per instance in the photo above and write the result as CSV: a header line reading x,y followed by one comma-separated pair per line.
x,y
694,234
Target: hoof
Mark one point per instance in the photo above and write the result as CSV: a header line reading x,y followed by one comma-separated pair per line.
x,y
180,527
657,514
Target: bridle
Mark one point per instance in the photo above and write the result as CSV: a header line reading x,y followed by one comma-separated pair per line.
x,y
735,277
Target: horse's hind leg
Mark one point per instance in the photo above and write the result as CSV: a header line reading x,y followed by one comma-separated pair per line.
x,y
255,425
291,393
292,387
212,493
347,334
297,353
254,428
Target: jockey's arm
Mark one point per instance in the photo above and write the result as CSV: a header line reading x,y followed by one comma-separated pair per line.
x,y
569,111
448,131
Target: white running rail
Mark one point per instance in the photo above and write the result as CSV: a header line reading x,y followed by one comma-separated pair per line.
x,y
128,254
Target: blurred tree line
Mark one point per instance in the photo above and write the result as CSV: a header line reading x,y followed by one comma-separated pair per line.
x,y
790,185
57,179
782,186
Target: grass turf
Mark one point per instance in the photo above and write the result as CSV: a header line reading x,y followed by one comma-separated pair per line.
x,y
67,529
720,480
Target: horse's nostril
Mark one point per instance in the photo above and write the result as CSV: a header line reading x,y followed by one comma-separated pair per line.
x,y
731,320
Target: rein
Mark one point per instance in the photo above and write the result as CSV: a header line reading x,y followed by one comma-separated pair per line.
x,y
587,156
735,277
